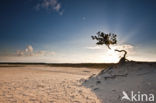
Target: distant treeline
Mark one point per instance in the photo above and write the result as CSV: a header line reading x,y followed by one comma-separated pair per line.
x,y
90,65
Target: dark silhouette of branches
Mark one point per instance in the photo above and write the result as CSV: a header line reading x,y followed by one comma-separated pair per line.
x,y
106,39
123,59
109,39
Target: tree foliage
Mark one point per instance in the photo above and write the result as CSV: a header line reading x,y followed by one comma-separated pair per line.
x,y
107,39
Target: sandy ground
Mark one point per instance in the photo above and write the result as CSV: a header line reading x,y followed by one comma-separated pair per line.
x,y
43,84
110,83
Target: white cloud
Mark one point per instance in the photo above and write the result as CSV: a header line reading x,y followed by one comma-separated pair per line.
x,y
20,53
29,51
119,46
128,47
94,47
57,7
124,46
50,5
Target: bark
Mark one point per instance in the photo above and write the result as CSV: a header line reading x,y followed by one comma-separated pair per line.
x,y
108,47
123,59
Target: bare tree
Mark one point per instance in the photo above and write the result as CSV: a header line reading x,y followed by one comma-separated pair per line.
x,y
109,39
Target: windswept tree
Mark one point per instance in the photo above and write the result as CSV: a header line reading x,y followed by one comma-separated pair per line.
x,y
109,39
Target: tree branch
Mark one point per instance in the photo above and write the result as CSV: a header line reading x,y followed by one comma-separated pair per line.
x,y
125,52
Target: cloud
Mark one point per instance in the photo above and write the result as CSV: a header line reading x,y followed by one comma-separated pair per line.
x,y
29,51
94,47
20,53
124,46
50,5
128,47
57,7
44,53
119,46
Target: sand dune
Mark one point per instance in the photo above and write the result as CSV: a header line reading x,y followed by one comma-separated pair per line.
x,y
43,84
109,84
47,84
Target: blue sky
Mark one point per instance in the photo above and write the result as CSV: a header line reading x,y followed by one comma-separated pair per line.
x,y
60,30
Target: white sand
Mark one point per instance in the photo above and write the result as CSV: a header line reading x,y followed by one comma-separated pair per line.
x,y
108,85
41,84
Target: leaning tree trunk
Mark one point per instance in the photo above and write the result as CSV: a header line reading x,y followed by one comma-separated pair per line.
x,y
123,59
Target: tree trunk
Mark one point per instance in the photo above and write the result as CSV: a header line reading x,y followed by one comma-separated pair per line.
x,y
123,59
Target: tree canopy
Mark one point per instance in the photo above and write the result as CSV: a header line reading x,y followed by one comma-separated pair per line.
x,y
107,39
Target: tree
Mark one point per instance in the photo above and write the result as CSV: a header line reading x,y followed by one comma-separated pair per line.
x,y
109,39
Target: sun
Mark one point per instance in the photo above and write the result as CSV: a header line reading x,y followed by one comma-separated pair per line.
x,y
110,56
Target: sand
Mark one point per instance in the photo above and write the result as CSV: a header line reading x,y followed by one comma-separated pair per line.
x,y
109,84
43,84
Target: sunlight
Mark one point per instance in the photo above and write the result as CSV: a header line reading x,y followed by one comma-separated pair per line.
x,y
110,57
113,56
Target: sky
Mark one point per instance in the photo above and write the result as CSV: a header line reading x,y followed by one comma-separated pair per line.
x,y
59,31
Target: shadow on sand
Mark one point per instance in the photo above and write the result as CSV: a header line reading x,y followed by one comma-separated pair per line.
x,y
109,84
